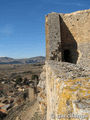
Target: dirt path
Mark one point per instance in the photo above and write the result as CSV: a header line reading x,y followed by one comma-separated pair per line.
x,y
29,112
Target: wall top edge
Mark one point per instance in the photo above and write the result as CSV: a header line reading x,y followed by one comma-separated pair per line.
x,y
73,13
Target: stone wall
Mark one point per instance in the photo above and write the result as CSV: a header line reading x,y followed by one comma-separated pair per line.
x,y
75,35
68,93
65,81
53,36
68,33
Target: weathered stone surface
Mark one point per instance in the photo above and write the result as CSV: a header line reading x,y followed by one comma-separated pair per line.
x,y
75,35
42,95
67,91
53,37
68,33
65,82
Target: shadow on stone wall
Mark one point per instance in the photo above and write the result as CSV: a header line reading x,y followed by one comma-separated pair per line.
x,y
68,44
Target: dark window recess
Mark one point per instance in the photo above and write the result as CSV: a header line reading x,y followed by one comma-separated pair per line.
x,y
67,56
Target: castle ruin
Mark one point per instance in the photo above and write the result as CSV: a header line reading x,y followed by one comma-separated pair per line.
x,y
66,93
68,37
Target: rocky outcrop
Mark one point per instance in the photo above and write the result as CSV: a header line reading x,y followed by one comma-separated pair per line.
x,y
42,95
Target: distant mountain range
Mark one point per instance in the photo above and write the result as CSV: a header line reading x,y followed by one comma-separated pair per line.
x,y
8,60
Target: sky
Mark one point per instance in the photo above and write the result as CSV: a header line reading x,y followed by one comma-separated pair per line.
x,y
22,24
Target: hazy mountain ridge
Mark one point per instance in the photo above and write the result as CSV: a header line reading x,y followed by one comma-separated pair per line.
x,y
8,60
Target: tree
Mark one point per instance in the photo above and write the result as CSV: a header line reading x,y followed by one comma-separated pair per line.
x,y
34,77
18,80
26,81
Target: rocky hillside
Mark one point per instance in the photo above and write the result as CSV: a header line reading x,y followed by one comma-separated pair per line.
x,y
7,60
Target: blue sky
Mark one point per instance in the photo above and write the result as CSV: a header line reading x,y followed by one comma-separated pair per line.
x,y
22,24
